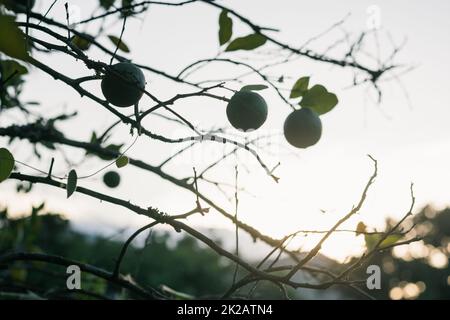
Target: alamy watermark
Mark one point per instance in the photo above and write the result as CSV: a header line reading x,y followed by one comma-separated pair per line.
x,y
374,279
264,144
73,281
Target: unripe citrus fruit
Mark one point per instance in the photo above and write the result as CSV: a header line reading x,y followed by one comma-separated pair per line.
x,y
123,85
111,179
303,128
247,110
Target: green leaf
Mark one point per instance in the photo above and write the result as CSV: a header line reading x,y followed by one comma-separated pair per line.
x,y
254,87
12,39
6,164
390,240
71,182
106,4
373,239
225,27
300,87
119,43
319,99
122,161
111,147
10,67
249,42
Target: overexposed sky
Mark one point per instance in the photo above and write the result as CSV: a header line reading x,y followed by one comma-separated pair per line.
x,y
410,139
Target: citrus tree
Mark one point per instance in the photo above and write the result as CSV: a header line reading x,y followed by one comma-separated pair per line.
x,y
29,33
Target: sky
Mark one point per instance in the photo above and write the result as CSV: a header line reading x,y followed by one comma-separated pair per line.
x,y
407,133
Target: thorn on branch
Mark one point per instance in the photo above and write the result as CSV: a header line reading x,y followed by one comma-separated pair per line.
x,y
49,176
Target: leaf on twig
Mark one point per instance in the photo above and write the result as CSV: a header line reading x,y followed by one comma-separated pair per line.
x,y
319,99
71,182
225,27
254,87
113,148
300,87
12,39
12,72
11,66
249,42
6,164
373,239
119,43
122,161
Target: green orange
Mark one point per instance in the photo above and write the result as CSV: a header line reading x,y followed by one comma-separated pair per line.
x,y
123,84
303,128
247,110
111,179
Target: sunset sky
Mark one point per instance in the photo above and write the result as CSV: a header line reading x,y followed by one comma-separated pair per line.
x,y
407,133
